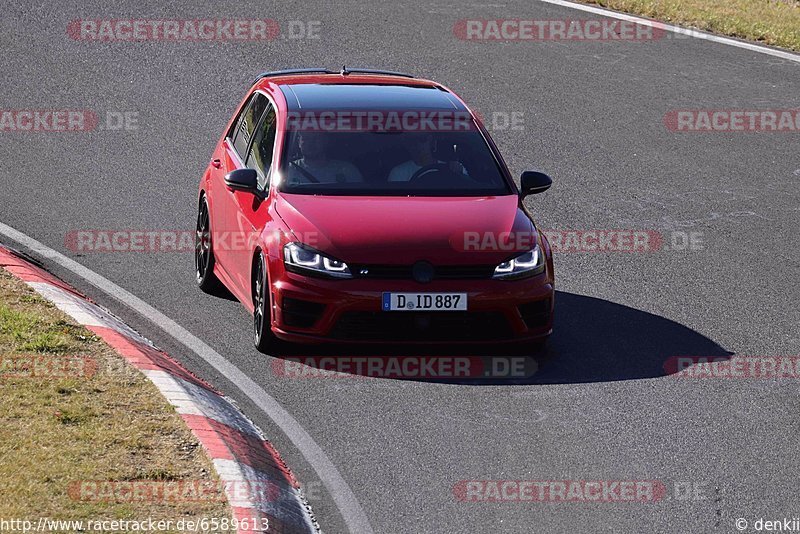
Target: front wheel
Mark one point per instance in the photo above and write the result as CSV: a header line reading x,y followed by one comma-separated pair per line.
x,y
204,252
263,337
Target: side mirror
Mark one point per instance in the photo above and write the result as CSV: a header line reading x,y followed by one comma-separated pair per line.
x,y
533,182
242,180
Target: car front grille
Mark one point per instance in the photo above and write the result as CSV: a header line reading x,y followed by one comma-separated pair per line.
x,y
441,272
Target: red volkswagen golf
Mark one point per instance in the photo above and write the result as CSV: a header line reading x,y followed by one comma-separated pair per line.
x,y
367,205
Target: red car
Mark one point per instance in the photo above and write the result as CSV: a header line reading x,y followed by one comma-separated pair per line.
x,y
366,205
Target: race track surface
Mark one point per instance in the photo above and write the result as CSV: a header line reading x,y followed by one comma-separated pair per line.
x,y
601,406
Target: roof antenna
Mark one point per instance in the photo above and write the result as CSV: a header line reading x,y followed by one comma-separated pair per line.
x,y
344,71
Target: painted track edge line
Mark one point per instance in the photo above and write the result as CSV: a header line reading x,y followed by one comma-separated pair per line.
x,y
697,34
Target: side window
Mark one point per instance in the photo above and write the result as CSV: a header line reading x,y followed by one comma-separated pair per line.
x,y
247,123
260,156
238,122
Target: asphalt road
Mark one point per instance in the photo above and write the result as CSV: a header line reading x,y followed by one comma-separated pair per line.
x,y
601,407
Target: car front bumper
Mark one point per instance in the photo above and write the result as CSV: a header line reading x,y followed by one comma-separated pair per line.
x,y
311,310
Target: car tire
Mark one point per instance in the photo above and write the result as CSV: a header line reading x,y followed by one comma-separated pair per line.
x,y
207,281
263,337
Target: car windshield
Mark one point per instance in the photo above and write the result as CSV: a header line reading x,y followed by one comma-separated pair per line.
x,y
390,163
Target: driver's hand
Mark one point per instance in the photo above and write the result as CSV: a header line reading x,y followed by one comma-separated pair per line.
x,y
457,167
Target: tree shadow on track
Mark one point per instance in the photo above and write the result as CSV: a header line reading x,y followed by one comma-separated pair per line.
x,y
593,340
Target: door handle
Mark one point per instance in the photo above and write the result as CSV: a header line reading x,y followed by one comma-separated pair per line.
x,y
216,163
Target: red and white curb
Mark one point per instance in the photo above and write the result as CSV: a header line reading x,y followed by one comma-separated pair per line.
x,y
257,482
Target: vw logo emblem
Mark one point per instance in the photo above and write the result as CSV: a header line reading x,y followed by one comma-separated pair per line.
x,y
422,272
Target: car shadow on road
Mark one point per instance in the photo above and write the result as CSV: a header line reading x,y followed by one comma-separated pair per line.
x,y
594,340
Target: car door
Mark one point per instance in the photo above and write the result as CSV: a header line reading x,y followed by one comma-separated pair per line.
x,y
251,209
228,237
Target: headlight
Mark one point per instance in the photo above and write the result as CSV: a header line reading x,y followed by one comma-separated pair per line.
x,y
527,264
299,258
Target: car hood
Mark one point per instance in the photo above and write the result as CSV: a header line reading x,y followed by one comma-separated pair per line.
x,y
403,230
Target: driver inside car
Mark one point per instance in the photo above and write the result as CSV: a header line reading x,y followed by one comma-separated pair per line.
x,y
420,148
314,165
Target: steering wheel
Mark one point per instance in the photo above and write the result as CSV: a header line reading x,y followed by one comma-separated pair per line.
x,y
443,168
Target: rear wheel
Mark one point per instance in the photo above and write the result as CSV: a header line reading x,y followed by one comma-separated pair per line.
x,y
204,252
263,337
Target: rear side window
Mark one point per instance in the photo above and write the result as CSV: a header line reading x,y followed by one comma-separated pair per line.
x,y
247,121
260,155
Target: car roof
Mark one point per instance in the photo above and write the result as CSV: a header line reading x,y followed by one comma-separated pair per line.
x,y
365,96
375,90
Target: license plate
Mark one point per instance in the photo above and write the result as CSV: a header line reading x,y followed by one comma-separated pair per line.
x,y
424,301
